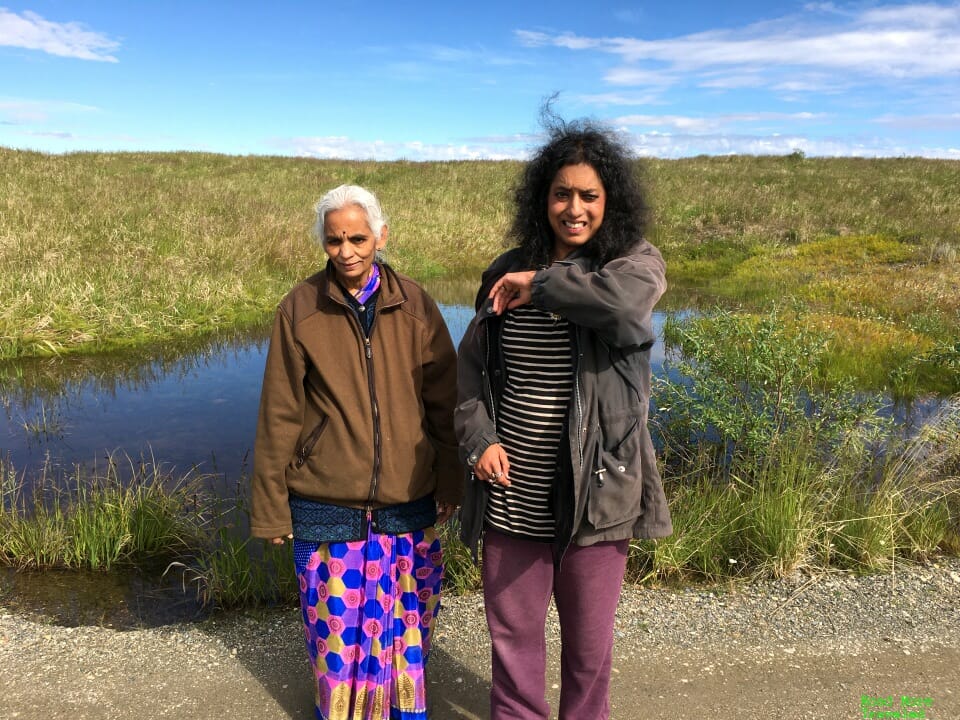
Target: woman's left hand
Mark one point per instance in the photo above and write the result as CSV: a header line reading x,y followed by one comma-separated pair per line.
x,y
512,290
445,511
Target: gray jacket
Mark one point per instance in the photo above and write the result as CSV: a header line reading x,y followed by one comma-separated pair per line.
x,y
609,488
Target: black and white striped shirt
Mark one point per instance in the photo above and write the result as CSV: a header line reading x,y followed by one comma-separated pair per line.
x,y
539,370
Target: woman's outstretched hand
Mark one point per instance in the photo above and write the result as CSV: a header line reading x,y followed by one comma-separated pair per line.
x,y
512,290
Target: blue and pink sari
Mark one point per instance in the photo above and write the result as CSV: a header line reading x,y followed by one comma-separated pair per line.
x,y
368,612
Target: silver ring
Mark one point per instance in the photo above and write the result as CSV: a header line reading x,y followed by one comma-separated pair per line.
x,y
497,475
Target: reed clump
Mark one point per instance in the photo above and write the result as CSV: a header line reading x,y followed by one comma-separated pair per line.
x,y
122,514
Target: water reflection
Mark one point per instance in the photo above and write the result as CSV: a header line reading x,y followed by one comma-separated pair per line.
x,y
185,408
185,411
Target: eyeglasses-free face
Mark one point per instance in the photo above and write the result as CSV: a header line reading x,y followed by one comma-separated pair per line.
x,y
575,205
351,245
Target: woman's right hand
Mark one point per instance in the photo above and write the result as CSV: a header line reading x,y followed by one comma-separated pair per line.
x,y
280,540
493,466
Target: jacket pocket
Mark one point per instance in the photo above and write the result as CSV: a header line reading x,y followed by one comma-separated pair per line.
x,y
306,447
615,494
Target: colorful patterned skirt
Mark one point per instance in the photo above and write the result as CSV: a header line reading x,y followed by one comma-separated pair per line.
x,y
368,612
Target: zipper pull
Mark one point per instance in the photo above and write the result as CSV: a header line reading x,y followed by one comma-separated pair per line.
x,y
599,473
367,348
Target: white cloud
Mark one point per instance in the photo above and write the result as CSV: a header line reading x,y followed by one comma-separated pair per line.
x,y
618,99
55,134
710,123
919,15
915,41
667,145
640,76
689,124
688,136
19,111
475,55
347,148
812,84
71,39
945,121
531,38
734,81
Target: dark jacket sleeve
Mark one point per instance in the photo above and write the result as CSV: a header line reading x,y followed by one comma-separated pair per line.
x,y
472,419
616,301
439,394
278,428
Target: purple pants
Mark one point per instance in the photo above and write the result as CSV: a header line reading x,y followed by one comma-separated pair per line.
x,y
518,580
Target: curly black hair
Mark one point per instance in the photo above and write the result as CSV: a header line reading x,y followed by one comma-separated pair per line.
x,y
626,215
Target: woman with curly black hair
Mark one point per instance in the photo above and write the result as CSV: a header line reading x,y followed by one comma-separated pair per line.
x,y
626,214
554,386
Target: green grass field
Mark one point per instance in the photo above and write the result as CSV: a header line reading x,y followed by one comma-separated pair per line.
x,y
115,250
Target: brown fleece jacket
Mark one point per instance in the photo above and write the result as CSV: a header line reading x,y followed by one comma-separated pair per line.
x,y
349,421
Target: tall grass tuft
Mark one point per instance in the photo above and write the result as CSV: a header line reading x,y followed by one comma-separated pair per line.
x,y
96,520
707,515
781,518
234,571
461,574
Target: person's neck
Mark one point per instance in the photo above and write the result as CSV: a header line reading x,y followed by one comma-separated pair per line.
x,y
357,287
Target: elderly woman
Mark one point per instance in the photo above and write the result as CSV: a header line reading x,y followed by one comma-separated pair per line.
x,y
552,418
355,461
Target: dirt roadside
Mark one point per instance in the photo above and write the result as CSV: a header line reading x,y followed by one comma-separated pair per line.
x,y
804,648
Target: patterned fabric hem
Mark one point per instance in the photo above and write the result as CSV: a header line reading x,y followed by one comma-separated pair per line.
x,y
368,610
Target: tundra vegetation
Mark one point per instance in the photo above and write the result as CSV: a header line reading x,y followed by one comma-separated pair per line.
x,y
823,289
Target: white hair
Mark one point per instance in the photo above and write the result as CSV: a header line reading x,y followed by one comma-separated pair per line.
x,y
345,195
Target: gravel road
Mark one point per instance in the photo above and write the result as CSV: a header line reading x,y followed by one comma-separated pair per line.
x,y
812,646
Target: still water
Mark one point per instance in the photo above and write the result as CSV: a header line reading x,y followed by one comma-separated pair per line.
x,y
190,411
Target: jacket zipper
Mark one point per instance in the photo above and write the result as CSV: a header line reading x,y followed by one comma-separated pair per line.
x,y
375,408
581,431
488,383
311,440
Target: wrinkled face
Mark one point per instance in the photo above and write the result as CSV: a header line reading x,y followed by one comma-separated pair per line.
x,y
351,245
575,205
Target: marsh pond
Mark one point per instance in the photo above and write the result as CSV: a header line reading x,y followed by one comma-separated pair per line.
x,y
191,410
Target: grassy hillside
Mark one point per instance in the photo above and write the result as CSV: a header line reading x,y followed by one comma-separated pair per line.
x,y
108,250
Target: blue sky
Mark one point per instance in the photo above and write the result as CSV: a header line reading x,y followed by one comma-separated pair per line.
x,y
445,80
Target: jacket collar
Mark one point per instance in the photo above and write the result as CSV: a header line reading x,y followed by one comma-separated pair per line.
x,y
391,291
